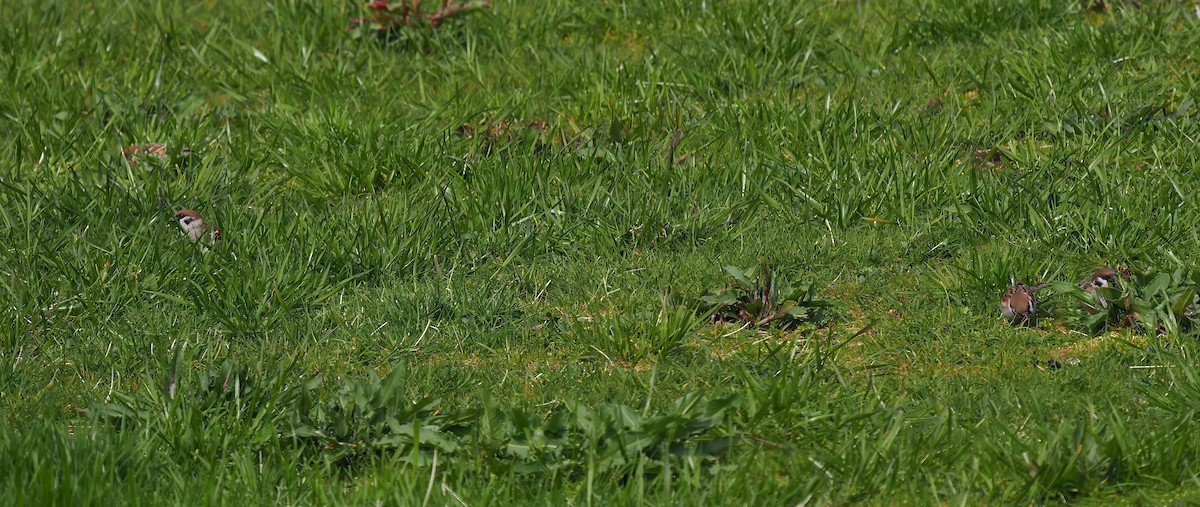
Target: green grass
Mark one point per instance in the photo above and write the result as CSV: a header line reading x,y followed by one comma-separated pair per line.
x,y
445,258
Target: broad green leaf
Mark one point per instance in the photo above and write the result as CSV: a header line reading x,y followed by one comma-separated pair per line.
x,y
1182,301
738,274
1157,284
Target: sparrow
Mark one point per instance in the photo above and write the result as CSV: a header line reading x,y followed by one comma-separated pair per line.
x,y
135,152
1101,279
1019,303
194,226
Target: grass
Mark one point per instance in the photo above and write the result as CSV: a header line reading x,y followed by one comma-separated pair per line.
x,y
445,256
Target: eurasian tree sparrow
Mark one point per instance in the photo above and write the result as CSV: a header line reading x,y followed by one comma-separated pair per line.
x,y
194,226
135,152
1102,278
1019,303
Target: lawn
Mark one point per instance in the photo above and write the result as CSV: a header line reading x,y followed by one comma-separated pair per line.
x,y
743,252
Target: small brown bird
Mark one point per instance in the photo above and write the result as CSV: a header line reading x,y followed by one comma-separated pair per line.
x,y
158,151
1101,279
194,226
1019,303
135,152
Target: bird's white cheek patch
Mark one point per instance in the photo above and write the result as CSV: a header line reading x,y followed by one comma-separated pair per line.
x,y
192,232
